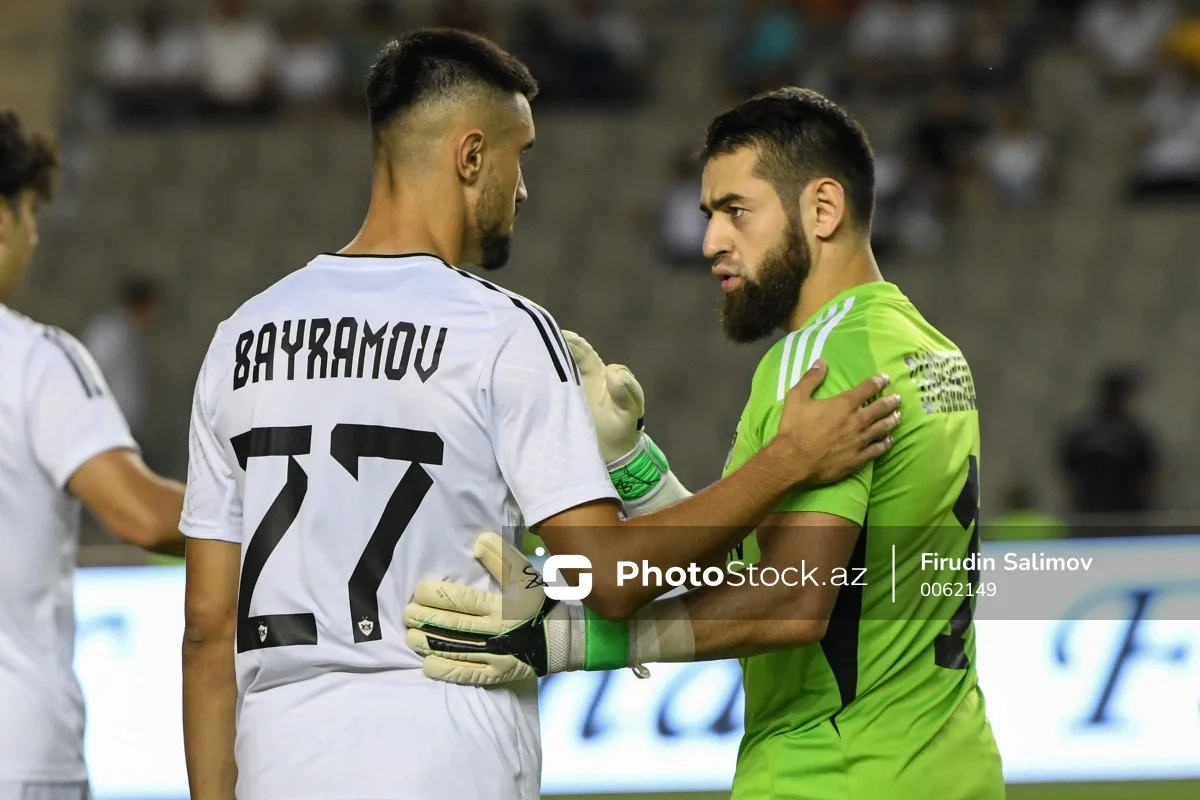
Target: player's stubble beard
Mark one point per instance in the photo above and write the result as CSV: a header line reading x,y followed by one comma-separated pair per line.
x,y
495,231
761,306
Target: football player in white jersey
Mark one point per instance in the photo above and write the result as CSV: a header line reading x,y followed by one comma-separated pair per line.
x,y
358,423
62,441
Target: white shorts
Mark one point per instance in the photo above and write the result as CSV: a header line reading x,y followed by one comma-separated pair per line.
x,y
45,791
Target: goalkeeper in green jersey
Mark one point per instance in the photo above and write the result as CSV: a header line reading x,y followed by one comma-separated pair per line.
x,y
854,690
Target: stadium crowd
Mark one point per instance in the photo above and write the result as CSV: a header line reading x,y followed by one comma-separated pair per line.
x,y
162,66
965,103
962,76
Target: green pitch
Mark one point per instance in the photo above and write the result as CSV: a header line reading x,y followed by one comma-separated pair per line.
x,y
1158,790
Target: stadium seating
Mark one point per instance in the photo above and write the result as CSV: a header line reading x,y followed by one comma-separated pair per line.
x,y
1037,298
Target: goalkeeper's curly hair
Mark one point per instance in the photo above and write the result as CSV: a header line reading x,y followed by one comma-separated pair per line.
x,y
27,160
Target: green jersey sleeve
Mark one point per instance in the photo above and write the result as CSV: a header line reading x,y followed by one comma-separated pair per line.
x,y
841,340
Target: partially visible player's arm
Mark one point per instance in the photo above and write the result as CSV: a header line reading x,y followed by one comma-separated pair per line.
x,y
132,502
82,441
212,521
484,638
545,444
209,682
739,620
818,441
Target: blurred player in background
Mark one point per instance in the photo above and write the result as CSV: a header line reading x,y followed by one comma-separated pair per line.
x,y
62,440
354,427
849,694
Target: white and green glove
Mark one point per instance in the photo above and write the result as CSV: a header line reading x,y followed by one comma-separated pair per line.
x,y
475,637
638,469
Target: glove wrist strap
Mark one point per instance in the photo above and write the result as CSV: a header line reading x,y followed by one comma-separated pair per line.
x,y
640,471
606,643
566,633
661,632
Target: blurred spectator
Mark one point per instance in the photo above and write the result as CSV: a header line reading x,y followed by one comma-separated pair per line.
x,y
901,42
994,49
1017,157
681,222
585,51
148,66
943,139
828,14
608,50
891,204
1108,457
467,15
1182,44
764,46
116,340
1124,38
375,25
1020,520
539,43
237,63
310,68
1169,163
1059,18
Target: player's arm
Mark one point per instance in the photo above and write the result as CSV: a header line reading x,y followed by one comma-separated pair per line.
x,y
209,682
817,441
212,521
809,539
811,553
131,501
481,638
81,439
545,444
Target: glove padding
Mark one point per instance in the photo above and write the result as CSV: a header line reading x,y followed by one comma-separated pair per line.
x,y
615,399
476,637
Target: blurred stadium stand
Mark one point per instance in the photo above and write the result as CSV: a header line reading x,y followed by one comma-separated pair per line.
x,y
1039,296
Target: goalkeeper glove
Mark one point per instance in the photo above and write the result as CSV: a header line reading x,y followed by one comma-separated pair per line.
x,y
475,637
638,469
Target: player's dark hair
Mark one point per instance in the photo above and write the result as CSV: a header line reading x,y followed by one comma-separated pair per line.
x,y
27,160
802,135
435,62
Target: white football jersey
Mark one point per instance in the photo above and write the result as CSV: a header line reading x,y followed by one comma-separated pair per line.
x,y
355,428
56,414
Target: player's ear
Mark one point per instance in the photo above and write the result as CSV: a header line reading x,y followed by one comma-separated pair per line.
x,y
469,157
827,207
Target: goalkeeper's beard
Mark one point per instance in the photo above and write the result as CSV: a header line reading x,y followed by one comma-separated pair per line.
x,y
763,305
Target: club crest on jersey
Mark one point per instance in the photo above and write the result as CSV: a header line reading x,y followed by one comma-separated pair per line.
x,y
366,625
262,631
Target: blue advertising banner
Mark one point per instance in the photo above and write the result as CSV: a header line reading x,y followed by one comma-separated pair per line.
x,y
1099,680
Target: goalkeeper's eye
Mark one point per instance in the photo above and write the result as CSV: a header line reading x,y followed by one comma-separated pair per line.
x,y
736,212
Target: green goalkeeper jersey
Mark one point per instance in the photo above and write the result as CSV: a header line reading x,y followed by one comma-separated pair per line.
x,y
887,705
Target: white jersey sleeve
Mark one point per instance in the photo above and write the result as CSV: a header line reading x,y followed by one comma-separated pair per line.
x,y
72,416
212,507
542,433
